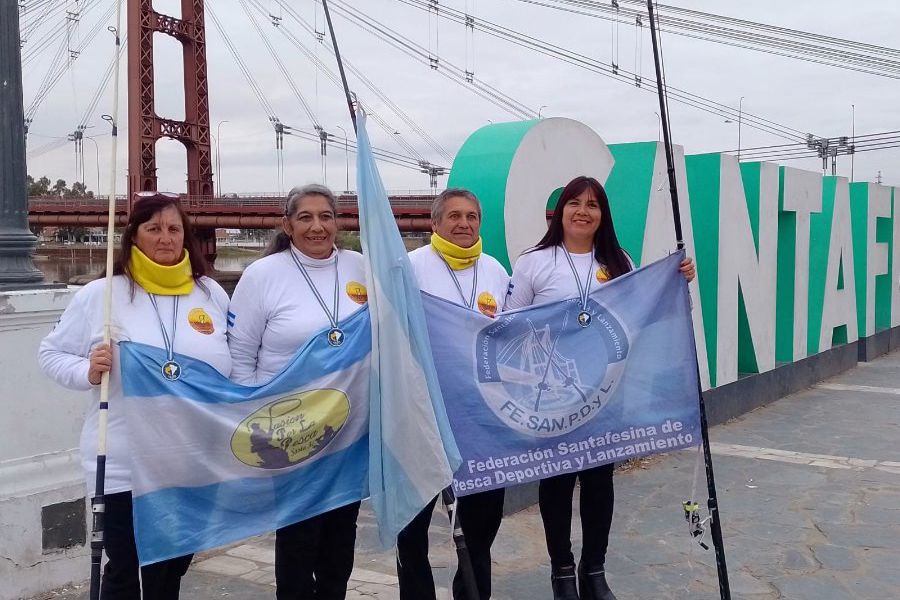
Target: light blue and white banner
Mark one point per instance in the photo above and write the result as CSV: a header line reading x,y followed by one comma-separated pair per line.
x,y
533,394
413,453
214,462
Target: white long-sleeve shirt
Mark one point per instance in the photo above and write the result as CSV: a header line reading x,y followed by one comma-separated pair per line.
x,y
274,312
434,277
63,354
545,275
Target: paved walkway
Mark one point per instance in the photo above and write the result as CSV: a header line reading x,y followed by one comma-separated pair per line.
x,y
809,490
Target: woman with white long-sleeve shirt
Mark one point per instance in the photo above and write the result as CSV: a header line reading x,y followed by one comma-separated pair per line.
x,y
161,297
302,287
579,252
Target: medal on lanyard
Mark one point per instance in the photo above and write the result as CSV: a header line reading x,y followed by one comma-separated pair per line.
x,y
171,370
470,303
335,333
584,317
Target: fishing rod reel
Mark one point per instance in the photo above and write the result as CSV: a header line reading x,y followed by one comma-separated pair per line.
x,y
696,524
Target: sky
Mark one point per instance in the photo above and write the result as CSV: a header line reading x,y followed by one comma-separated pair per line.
x,y
804,96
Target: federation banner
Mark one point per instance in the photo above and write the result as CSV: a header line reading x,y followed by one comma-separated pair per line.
x,y
533,393
214,462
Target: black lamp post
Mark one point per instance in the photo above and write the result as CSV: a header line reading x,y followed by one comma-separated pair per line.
x,y
17,243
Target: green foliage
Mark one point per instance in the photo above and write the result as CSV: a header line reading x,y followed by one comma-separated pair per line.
x,y
43,187
349,240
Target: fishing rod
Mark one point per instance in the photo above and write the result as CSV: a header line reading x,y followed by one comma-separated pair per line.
x,y
447,496
712,502
98,502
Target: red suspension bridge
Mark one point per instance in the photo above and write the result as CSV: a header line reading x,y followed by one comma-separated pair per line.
x,y
245,211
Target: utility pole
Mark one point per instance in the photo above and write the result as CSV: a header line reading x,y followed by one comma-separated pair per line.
x,y
346,160
323,148
433,173
219,158
830,148
852,138
17,243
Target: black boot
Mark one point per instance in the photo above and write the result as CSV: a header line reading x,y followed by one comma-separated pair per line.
x,y
592,583
563,582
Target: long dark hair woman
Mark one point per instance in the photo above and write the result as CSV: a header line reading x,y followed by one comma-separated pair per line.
x,y
161,296
579,251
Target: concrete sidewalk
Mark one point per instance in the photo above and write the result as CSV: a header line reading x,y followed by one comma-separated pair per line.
x,y
809,489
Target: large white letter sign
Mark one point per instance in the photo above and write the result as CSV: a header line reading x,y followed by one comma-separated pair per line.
x,y
801,195
513,168
839,298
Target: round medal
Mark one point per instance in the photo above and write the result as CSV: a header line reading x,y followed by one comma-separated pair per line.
x,y
584,318
171,370
335,336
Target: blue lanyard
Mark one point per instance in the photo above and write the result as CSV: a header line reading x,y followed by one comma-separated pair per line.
x,y
168,341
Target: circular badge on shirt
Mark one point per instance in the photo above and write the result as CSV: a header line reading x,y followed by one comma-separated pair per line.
x,y
487,304
603,274
201,321
357,292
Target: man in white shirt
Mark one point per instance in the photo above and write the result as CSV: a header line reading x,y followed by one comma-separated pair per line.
x,y
454,268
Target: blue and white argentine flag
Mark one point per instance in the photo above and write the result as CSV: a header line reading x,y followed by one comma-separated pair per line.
x,y
413,453
214,462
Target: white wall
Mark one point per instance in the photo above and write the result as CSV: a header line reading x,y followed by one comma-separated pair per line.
x,y
39,464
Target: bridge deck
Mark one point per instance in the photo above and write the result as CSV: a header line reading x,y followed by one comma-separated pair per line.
x,y
262,211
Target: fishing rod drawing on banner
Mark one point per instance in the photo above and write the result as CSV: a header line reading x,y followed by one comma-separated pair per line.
x,y
690,508
447,495
98,502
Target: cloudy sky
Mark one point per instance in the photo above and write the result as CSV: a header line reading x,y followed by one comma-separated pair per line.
x,y
801,95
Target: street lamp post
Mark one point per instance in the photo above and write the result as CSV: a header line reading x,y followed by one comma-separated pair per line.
x,y
17,243
219,157
543,106
346,160
740,115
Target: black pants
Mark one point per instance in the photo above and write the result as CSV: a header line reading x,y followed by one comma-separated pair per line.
x,y
314,558
479,516
159,581
597,499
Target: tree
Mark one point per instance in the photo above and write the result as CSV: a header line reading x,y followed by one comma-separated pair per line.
x,y
59,188
79,190
41,187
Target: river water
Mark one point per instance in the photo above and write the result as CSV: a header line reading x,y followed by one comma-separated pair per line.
x,y
62,268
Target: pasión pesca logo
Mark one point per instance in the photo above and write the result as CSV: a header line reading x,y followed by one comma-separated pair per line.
x,y
544,374
291,430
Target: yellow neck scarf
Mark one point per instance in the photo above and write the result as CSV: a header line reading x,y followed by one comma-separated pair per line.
x,y
457,257
176,280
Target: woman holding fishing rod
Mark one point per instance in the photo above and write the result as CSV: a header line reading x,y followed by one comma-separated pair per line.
x,y
162,297
579,251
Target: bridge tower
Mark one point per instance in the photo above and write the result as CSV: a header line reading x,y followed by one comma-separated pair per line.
x,y
145,127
